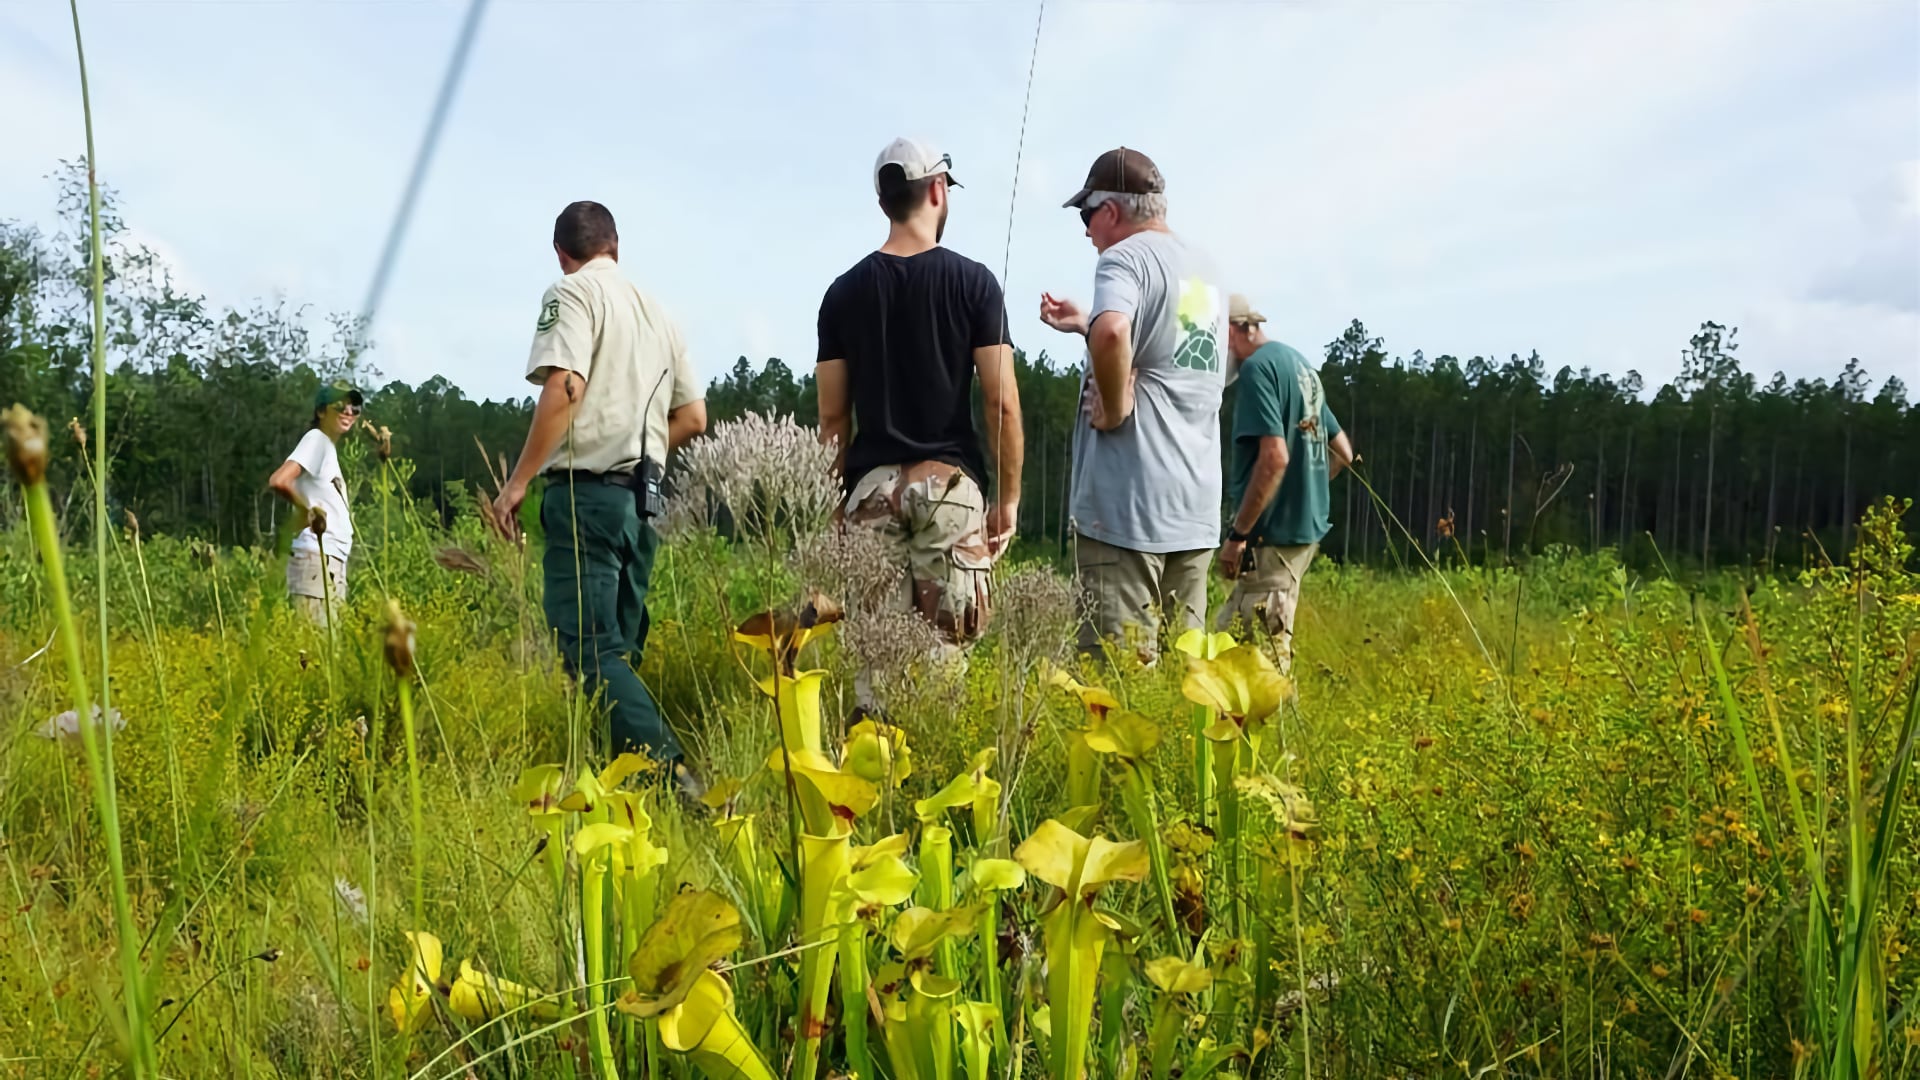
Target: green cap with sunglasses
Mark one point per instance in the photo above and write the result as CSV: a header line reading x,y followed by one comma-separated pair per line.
x,y
338,390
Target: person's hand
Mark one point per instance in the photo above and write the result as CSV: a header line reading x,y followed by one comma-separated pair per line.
x,y
1231,554
1001,520
1063,315
506,509
1099,415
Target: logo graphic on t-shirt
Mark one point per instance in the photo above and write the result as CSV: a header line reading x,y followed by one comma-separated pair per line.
x,y
1314,399
549,314
1198,347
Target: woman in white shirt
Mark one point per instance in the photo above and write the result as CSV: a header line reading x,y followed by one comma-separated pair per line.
x,y
310,479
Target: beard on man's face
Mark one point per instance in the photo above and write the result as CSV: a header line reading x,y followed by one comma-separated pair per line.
x,y
940,230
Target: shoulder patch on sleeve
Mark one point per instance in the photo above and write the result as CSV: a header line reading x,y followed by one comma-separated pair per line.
x,y
549,314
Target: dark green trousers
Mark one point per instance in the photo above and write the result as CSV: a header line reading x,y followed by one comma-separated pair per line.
x,y
598,562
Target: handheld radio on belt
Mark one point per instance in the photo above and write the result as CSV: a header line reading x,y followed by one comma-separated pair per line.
x,y
648,476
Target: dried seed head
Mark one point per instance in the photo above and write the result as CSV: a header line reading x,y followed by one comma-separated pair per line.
x,y
1036,611
770,473
382,439
399,640
133,524
79,433
317,519
26,444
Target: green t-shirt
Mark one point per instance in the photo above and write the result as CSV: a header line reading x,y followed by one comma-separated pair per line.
x,y
1278,393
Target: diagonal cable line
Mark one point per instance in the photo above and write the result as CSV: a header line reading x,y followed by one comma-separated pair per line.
x,y
429,141
1013,195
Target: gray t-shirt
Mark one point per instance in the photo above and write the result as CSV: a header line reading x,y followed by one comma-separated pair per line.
x,y
1153,483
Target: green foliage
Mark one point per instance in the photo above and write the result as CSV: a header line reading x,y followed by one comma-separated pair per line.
x,y
1525,871
1528,814
1480,459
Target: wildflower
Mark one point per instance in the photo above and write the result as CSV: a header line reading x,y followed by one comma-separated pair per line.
x,y
855,565
351,898
896,652
770,473
1037,609
1521,906
65,727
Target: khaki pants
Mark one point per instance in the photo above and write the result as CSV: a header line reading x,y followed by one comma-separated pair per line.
x,y
1132,594
935,520
1267,597
310,591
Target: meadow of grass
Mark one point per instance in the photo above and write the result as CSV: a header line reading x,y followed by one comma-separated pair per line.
x,y
1566,820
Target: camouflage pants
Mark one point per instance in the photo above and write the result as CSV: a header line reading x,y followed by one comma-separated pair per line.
x,y
1268,597
935,517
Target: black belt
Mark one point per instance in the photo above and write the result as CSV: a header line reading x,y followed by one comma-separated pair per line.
x,y
583,476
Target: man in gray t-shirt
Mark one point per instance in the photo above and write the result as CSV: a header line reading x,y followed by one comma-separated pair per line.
x,y
1145,497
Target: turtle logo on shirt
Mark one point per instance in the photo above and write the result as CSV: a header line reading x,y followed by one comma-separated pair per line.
x,y
549,314
1198,346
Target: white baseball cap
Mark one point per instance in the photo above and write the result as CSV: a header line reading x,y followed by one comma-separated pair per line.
x,y
916,159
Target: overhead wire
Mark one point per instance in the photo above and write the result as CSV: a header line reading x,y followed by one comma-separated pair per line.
x,y
1006,258
422,159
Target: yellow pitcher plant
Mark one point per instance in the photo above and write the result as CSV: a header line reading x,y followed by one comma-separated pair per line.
x,y
673,982
1075,932
1243,689
1083,771
1204,646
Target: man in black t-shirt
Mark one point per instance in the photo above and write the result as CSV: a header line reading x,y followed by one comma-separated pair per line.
x,y
902,336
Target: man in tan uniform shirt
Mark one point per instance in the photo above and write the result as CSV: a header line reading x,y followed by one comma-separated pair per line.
x,y
616,390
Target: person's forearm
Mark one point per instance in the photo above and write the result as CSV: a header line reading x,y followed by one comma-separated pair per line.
x,y
837,432
1261,488
681,431
551,414
1342,454
1007,439
685,424
1112,352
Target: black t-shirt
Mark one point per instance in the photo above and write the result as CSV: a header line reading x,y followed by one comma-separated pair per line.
x,y
907,327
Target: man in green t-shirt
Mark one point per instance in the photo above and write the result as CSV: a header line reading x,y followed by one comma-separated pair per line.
x,y
1286,448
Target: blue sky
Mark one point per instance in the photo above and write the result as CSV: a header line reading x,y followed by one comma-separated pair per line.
x,y
1590,178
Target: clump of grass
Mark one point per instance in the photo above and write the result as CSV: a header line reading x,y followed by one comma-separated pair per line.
x,y
27,457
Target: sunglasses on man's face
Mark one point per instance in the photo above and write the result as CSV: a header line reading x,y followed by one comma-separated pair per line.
x,y
1086,215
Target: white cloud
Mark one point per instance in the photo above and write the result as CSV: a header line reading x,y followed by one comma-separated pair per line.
x,y
1885,271
1587,178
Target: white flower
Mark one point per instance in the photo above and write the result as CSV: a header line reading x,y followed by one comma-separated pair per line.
x,y
771,473
351,898
66,726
